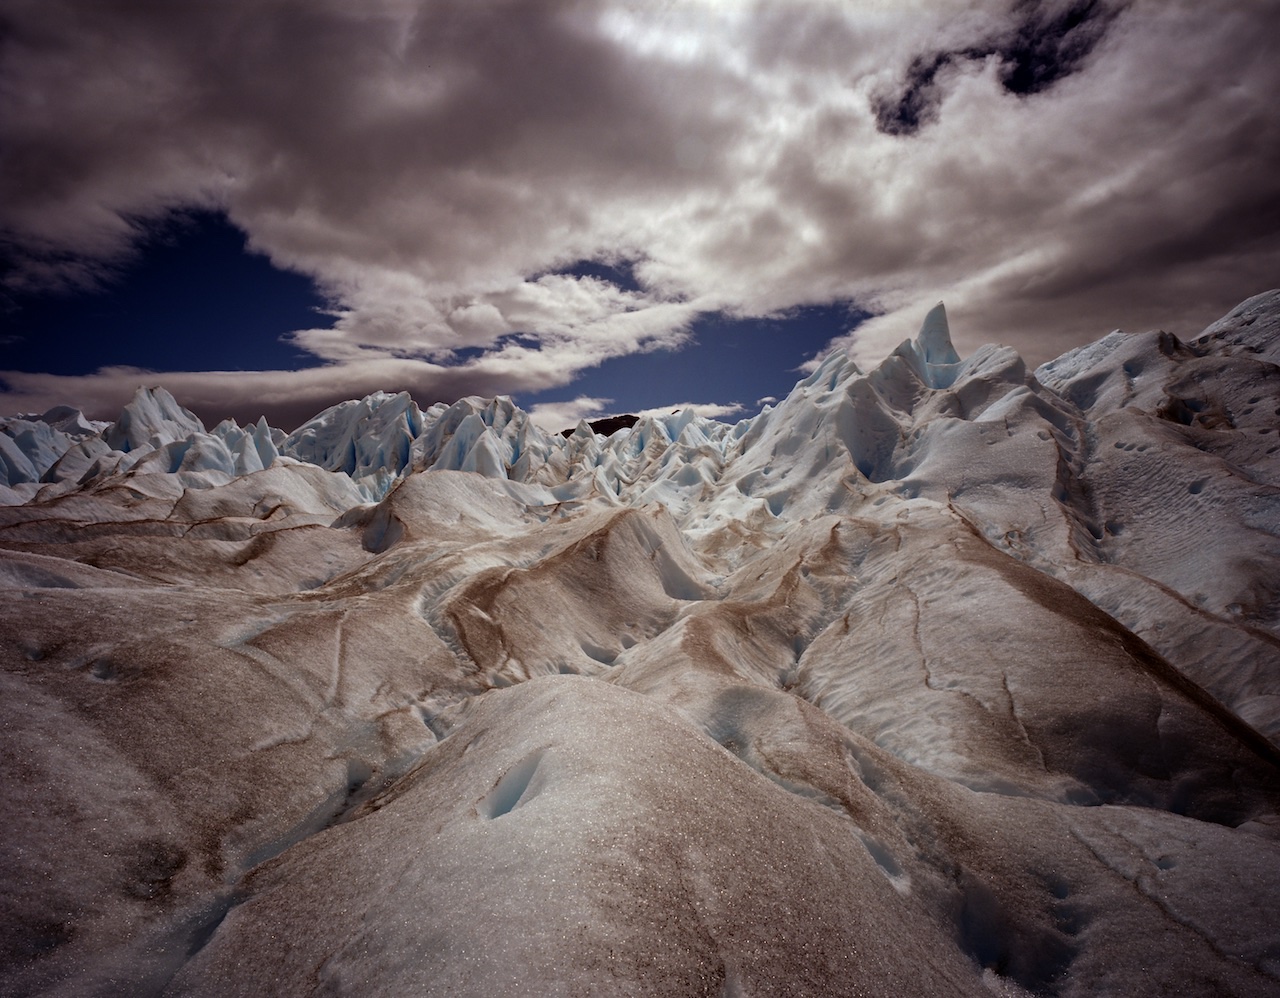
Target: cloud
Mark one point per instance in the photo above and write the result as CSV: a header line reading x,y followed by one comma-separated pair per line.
x,y
1040,44
708,410
555,416
288,398
1056,170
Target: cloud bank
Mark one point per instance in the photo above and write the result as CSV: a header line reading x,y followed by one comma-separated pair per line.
x,y
1051,170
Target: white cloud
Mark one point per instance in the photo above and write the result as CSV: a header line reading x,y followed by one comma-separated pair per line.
x,y
556,416
708,410
434,165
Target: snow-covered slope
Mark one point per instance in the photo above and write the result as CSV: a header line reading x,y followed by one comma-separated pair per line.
x,y
947,677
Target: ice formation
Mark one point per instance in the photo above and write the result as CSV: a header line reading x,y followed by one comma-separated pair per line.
x,y
943,678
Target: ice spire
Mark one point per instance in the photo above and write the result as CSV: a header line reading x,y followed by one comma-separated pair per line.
x,y
933,348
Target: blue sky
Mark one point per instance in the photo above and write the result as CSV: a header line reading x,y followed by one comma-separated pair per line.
x,y
418,182
194,298
727,361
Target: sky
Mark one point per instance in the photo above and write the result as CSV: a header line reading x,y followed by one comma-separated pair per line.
x,y
269,206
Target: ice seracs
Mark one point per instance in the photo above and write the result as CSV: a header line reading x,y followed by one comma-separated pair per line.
x,y
30,444
364,437
945,677
150,421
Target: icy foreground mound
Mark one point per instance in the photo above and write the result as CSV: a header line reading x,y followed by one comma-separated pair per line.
x,y
946,678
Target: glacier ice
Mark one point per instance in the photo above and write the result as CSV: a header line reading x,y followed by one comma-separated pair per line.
x,y
947,677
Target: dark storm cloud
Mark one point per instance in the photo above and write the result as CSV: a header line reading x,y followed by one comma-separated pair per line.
x,y
1050,41
443,169
1046,42
916,102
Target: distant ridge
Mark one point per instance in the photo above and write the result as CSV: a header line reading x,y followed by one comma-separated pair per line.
x,y
607,426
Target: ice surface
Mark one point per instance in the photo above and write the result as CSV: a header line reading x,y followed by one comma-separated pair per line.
x,y
941,678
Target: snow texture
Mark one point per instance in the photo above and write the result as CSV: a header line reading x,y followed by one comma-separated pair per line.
x,y
944,678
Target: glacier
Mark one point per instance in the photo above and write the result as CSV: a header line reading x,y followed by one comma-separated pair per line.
x,y
948,677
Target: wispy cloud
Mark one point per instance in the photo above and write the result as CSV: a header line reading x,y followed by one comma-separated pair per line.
x,y
709,410
556,416
1050,170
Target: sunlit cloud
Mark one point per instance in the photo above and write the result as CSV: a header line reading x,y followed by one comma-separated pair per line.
x,y
708,410
556,416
